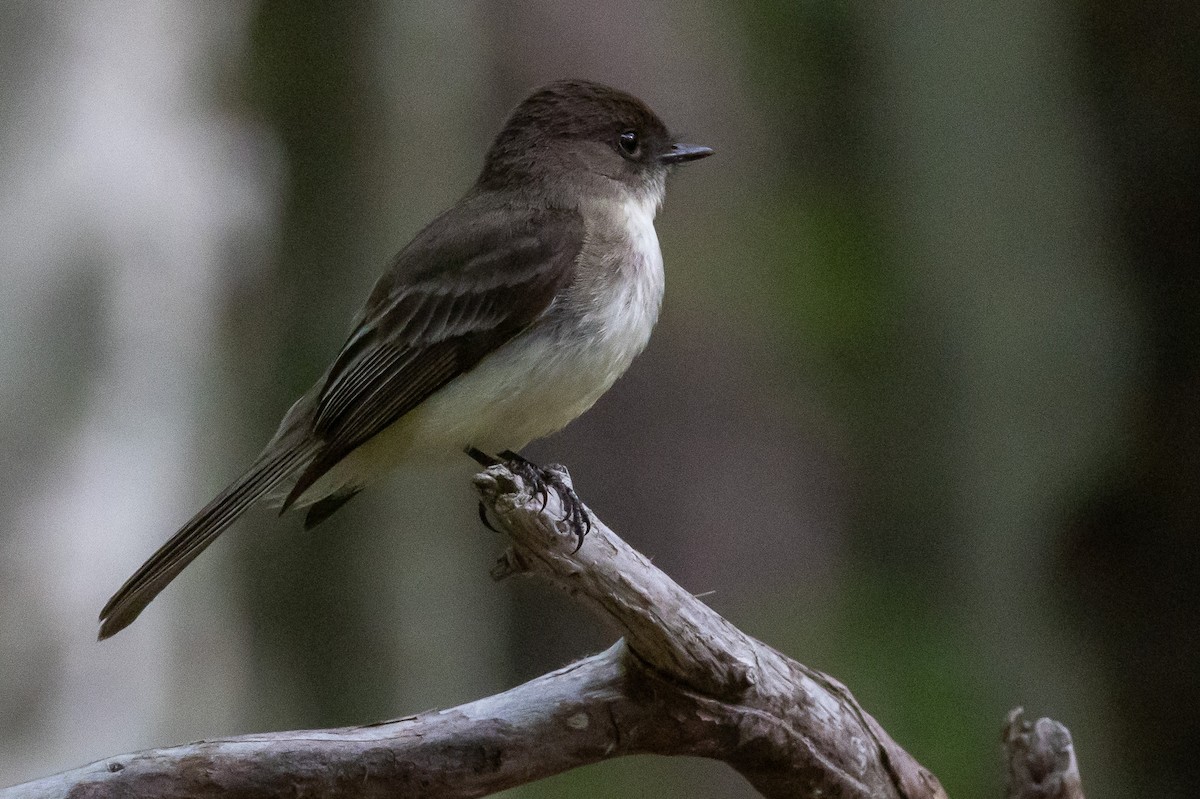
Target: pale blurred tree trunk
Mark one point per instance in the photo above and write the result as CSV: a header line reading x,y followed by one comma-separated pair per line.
x,y
124,186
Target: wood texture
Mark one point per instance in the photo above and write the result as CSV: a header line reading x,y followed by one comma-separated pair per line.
x,y
682,681
1041,759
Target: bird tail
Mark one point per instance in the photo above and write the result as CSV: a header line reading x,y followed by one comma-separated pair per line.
x,y
271,469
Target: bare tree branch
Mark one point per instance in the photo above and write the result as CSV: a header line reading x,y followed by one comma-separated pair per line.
x,y
683,681
1041,759
790,730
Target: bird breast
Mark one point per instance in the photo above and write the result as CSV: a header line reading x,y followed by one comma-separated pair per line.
x,y
559,367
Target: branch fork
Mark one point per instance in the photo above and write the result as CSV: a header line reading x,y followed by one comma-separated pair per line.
x,y
681,681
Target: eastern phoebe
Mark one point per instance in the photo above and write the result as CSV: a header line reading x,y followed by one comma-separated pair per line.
x,y
503,320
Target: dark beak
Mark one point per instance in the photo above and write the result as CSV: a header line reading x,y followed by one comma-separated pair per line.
x,y
682,153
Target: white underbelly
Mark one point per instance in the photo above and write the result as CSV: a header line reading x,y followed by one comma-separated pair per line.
x,y
525,390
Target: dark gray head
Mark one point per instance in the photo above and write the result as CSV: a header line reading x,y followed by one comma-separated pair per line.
x,y
576,126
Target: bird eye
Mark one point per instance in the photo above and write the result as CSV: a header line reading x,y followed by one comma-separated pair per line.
x,y
628,142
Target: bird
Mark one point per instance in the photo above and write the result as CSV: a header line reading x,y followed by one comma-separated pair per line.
x,y
504,319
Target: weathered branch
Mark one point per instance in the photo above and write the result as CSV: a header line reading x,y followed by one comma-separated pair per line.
x,y
790,730
683,681
1041,759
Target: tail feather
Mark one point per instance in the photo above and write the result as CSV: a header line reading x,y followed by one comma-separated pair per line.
x,y
322,509
191,539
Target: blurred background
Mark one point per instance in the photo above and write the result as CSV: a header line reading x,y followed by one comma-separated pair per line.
x,y
921,410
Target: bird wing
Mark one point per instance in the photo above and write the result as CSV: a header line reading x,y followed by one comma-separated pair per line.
x,y
454,295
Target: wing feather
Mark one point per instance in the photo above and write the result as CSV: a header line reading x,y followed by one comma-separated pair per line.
x,y
466,296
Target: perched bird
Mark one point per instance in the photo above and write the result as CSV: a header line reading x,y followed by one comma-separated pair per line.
x,y
503,320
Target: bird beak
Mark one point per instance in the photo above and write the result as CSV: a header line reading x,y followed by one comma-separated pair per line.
x,y
682,153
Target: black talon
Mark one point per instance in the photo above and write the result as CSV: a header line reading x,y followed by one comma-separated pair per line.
x,y
530,472
573,509
582,525
483,518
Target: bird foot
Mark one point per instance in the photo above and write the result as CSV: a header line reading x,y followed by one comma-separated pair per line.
x,y
540,480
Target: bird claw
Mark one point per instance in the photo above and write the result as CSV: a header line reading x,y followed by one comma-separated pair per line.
x,y
483,517
540,480
533,475
574,511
